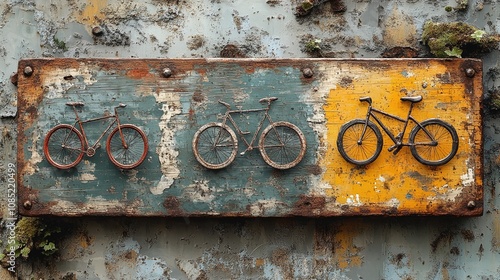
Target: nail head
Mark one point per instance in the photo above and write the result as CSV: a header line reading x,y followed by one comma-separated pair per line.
x,y
28,71
471,204
97,31
470,72
27,205
307,72
167,72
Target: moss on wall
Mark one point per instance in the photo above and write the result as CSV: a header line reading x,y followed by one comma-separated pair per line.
x,y
457,39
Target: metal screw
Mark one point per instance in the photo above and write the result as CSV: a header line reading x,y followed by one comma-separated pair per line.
x,y
27,205
28,71
167,72
470,72
471,205
424,84
307,72
97,31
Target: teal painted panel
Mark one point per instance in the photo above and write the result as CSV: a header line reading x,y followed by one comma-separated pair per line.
x,y
170,182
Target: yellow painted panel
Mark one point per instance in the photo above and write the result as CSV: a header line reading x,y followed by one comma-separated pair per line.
x,y
399,181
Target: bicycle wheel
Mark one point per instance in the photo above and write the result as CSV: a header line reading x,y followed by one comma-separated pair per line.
x,y
433,153
133,153
215,145
357,148
282,145
63,146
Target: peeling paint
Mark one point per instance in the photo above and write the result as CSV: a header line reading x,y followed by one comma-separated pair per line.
x,y
58,82
354,200
468,179
199,191
95,204
260,207
171,106
35,156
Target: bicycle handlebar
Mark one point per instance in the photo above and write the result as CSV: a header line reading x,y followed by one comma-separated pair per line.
x,y
268,99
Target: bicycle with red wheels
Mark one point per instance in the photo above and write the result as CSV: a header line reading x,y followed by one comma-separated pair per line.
x,y
65,145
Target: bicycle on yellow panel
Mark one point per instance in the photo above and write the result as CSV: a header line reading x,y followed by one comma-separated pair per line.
x,y
432,142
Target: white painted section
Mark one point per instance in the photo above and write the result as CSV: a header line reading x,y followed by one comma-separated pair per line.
x,y
468,178
167,154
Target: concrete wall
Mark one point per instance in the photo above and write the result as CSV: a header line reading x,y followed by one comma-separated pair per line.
x,y
337,248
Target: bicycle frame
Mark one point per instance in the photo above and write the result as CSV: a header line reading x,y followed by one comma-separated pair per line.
x,y
398,139
249,145
81,123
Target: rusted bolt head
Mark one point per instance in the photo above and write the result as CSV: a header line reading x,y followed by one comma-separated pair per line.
x,y
307,72
27,205
28,71
471,204
97,31
470,72
167,72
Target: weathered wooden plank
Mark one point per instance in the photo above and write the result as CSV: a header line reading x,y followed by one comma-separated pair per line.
x,y
317,95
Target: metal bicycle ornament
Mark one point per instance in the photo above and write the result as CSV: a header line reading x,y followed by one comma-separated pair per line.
x,y
65,144
281,144
432,142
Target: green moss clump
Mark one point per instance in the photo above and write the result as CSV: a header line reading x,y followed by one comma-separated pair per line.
x,y
60,44
462,5
313,46
494,100
448,39
33,235
307,5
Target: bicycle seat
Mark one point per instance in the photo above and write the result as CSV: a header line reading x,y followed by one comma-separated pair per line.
x,y
268,99
75,103
412,99
367,99
225,104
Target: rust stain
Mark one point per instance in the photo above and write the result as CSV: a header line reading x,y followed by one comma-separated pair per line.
x,y
444,236
495,240
468,235
92,13
198,96
347,253
173,206
138,73
85,240
280,257
309,205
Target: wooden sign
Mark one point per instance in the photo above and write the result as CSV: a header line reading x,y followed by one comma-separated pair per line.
x,y
250,137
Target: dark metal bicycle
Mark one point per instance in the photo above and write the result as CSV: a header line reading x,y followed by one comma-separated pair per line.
x,y
432,142
281,144
65,145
